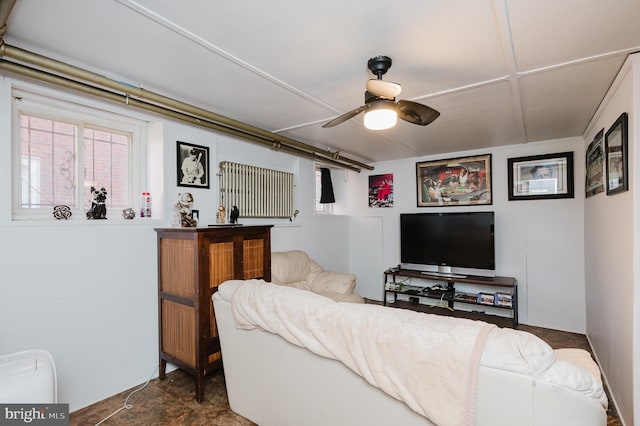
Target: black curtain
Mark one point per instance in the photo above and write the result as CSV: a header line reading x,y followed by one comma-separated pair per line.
x,y
326,187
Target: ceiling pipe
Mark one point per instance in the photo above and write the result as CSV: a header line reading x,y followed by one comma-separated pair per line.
x,y
246,131
43,76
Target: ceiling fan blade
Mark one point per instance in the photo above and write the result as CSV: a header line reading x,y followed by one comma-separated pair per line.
x,y
383,89
344,117
416,113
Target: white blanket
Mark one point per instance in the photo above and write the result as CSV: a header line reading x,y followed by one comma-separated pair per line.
x,y
430,362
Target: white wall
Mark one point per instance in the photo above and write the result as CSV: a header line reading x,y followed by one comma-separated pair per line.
x,y
366,254
611,246
86,291
538,242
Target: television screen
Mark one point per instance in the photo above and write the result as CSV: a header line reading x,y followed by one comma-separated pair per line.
x,y
460,239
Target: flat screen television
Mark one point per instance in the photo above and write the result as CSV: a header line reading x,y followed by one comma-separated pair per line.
x,y
448,243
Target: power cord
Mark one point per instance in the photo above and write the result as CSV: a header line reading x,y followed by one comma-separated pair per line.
x,y
442,304
126,401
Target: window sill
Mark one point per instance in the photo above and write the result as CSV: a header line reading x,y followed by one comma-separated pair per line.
x,y
85,222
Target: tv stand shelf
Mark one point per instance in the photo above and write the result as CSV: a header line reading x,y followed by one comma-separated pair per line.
x,y
481,291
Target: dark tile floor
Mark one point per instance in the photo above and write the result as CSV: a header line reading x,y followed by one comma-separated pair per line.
x,y
165,402
172,401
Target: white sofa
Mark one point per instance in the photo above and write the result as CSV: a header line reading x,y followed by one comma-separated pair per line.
x,y
519,380
295,268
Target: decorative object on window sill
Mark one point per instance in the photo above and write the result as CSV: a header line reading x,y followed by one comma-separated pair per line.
x,y
98,209
222,215
145,204
183,206
233,216
128,213
62,212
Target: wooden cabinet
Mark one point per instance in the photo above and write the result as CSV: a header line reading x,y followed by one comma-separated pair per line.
x,y
192,262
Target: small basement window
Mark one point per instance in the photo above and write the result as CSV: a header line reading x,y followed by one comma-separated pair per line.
x,y
62,151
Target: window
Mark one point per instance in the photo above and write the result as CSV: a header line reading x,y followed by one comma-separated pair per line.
x,y
60,154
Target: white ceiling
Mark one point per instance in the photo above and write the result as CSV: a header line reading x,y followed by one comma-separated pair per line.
x,y
500,72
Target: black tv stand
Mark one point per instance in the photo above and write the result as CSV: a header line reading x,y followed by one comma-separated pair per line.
x,y
495,294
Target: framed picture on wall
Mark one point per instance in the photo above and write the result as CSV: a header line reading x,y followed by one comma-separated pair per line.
x,y
616,150
459,181
195,215
381,190
594,181
541,177
192,165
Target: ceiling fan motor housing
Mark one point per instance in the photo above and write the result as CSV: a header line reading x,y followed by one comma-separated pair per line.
x,y
370,97
379,65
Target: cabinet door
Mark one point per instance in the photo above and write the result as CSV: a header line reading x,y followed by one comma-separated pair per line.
x,y
178,284
221,268
177,275
221,262
253,258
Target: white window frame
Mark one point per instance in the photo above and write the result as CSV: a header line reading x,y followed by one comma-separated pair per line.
x,y
71,109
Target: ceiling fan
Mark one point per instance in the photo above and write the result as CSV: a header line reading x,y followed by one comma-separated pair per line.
x,y
380,106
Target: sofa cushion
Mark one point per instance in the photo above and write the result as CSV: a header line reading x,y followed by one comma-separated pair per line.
x,y
290,266
332,282
295,268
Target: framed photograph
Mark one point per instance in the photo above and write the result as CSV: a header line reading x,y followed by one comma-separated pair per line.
x,y
541,177
454,181
195,215
616,146
594,180
381,190
193,165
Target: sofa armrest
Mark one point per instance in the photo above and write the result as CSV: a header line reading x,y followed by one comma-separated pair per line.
x,y
333,282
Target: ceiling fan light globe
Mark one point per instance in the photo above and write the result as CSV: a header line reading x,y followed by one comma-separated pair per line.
x,y
380,119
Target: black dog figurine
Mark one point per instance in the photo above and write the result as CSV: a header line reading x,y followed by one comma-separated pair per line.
x,y
98,208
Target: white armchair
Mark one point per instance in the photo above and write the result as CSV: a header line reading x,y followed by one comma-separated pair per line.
x,y
296,269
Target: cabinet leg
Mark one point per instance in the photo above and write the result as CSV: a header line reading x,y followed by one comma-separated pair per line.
x,y
162,369
199,387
